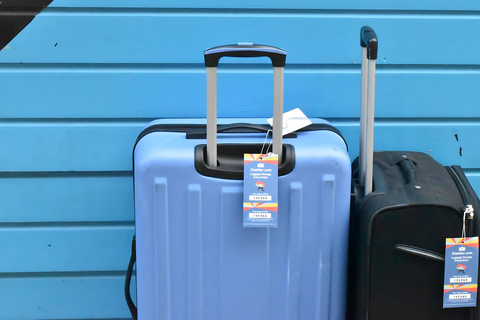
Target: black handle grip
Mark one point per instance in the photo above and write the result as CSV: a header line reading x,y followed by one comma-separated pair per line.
x,y
245,50
408,170
368,38
419,252
238,127
201,133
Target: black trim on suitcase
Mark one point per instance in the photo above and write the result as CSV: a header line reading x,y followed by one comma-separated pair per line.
x,y
128,279
198,131
230,160
230,156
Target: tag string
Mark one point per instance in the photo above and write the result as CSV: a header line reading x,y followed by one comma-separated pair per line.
x,y
468,209
464,233
265,141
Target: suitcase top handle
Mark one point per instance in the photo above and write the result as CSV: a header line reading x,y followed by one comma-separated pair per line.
x,y
243,50
368,39
249,50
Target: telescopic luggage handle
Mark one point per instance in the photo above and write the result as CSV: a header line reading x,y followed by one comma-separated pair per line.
x,y
243,50
369,44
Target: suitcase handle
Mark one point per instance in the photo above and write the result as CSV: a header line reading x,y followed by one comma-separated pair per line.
x,y
244,50
212,56
369,44
368,39
128,279
201,133
419,252
408,170
234,127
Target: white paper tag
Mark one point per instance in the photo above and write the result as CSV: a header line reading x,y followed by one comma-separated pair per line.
x,y
292,121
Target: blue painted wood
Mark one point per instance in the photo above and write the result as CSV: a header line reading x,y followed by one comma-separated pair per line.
x,y
56,198
92,199
150,91
101,69
474,179
65,248
103,147
63,297
87,199
132,37
56,147
280,4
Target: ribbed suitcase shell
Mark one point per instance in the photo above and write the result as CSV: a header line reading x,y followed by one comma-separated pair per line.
x,y
195,260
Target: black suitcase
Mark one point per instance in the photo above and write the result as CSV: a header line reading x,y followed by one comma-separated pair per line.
x,y
405,206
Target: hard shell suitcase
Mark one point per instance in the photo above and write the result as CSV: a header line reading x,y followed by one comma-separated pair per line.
x,y
406,206
195,260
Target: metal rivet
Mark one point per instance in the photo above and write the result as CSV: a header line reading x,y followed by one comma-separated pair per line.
x,y
418,187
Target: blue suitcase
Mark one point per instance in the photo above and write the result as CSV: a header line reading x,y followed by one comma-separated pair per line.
x,y
195,260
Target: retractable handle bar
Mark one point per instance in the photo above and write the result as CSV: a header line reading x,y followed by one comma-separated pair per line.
x,y
369,44
243,50
368,39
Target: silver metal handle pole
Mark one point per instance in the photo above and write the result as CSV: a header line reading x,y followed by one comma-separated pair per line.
x,y
278,80
278,77
212,116
363,117
369,44
370,127
243,50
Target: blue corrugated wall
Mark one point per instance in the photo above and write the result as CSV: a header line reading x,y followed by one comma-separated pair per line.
x,y
81,80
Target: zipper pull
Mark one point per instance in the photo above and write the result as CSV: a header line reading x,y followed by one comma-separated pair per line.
x,y
468,210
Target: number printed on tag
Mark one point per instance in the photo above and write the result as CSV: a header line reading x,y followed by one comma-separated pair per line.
x,y
460,296
260,198
260,216
460,280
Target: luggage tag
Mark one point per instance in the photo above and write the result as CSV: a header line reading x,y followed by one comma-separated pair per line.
x,y
461,271
260,190
293,120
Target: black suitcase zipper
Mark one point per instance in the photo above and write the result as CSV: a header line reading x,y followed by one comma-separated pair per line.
x,y
470,203
467,199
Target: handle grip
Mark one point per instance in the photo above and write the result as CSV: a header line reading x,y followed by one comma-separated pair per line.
x,y
420,252
244,50
368,39
408,170
201,133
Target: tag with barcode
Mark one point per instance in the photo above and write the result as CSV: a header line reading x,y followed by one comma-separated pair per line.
x,y
461,273
260,190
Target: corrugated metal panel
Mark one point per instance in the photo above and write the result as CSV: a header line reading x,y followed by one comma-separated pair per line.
x,y
82,80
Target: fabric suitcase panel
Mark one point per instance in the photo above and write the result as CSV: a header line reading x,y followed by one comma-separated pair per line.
x,y
419,212
196,261
403,285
